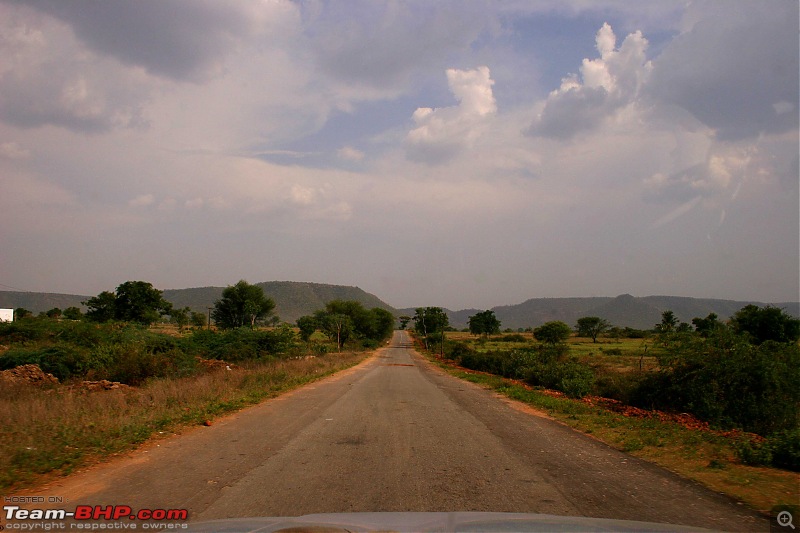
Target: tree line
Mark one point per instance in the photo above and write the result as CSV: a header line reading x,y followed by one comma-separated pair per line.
x,y
112,340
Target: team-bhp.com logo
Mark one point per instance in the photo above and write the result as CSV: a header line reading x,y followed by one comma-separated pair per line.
x,y
87,516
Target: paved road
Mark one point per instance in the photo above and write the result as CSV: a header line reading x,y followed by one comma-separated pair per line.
x,y
396,434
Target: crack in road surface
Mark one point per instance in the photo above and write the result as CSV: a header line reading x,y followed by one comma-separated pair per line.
x,y
397,434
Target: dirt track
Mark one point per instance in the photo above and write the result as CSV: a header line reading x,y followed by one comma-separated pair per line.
x,y
396,434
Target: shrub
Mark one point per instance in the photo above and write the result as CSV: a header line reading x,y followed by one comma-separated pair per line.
x,y
63,361
785,447
369,344
21,331
515,337
617,385
570,377
319,349
728,382
553,332
457,350
240,344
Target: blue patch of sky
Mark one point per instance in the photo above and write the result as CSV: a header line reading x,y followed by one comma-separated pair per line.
x,y
360,129
557,43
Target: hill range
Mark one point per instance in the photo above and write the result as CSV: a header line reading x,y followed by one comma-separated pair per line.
x,y
292,299
295,299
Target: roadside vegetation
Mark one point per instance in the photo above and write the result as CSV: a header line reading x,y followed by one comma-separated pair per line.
x,y
717,402
132,368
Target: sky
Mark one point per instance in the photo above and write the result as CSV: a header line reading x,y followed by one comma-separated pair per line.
x,y
463,154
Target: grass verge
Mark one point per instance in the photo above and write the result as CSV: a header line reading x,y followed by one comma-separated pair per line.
x,y
703,456
54,431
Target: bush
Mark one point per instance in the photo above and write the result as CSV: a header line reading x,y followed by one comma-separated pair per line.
x,y
617,385
133,365
510,364
632,333
751,452
319,349
63,361
782,450
553,332
574,379
543,365
457,350
785,447
516,337
728,382
240,344
21,331
369,344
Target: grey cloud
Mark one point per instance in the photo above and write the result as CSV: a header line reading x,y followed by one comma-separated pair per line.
x,y
54,96
180,39
384,43
735,69
571,112
678,187
434,153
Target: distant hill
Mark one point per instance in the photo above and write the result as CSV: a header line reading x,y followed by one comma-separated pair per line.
x,y
623,311
292,299
40,301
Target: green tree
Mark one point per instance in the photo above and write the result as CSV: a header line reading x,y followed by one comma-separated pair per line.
x,y
553,332
668,324
54,313
431,322
484,323
382,323
337,326
375,324
180,317
768,323
592,326
100,308
307,326
198,319
404,320
73,313
139,301
241,305
359,316
706,326
21,312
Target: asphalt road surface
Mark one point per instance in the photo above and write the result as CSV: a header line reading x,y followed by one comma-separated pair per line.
x,y
396,434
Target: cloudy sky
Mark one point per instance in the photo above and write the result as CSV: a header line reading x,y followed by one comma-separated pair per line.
x,y
453,153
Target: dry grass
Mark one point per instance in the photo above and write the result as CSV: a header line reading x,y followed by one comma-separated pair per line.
x,y
58,429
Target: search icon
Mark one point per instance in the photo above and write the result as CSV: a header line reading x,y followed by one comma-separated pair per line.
x,y
785,519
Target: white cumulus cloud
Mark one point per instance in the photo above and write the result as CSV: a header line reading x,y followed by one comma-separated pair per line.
x,y
443,132
605,85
